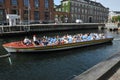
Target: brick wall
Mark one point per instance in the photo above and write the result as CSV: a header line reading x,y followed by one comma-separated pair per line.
x,y
8,7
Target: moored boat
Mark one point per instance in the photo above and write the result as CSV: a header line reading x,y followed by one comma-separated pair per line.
x,y
18,46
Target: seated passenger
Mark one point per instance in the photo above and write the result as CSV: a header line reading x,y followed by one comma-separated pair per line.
x,y
70,39
35,40
45,42
89,38
84,37
27,41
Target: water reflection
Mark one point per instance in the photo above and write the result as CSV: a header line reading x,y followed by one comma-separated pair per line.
x,y
10,61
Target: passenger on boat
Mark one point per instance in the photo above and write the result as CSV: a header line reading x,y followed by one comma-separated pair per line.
x,y
84,37
35,40
44,41
102,36
69,39
97,36
90,37
26,41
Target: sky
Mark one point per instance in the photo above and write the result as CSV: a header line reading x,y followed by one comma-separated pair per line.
x,y
113,5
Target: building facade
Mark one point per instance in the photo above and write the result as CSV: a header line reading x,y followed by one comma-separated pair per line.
x,y
28,10
85,10
60,15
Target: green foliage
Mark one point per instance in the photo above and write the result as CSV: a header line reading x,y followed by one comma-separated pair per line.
x,y
66,7
116,19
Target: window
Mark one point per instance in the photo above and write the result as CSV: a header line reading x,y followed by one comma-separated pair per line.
x,y
46,16
25,16
26,3
36,3
14,11
36,15
2,14
14,2
72,9
46,4
1,1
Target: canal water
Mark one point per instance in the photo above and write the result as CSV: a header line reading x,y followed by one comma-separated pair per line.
x,y
60,65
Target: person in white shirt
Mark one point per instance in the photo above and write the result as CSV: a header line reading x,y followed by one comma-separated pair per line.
x,y
27,41
35,40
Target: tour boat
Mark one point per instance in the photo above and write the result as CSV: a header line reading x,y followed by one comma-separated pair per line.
x,y
18,46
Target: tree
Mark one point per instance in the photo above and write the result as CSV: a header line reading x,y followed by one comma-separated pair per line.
x,y
116,19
